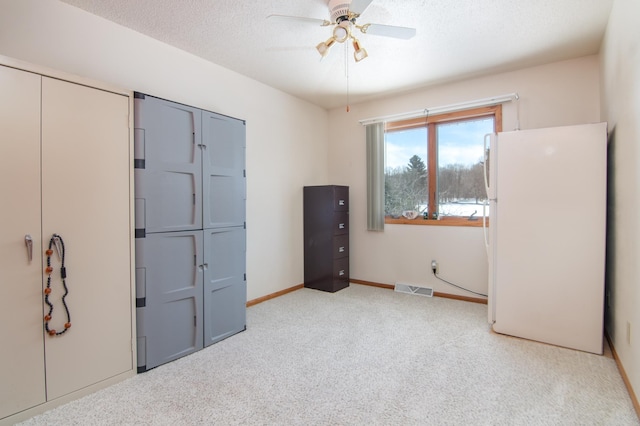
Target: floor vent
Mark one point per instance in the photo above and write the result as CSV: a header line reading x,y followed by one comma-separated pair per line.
x,y
411,289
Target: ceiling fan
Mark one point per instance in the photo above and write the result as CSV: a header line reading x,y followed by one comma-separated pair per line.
x,y
343,15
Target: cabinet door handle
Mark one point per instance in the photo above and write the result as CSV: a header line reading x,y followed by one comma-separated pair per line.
x,y
341,250
28,241
341,226
341,202
341,273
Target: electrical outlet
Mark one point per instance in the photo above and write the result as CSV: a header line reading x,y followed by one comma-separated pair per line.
x,y
434,266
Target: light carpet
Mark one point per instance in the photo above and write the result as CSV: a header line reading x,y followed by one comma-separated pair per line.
x,y
364,356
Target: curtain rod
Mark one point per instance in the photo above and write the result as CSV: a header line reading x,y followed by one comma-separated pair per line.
x,y
443,109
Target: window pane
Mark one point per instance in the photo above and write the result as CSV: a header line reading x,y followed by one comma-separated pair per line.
x,y
405,176
461,189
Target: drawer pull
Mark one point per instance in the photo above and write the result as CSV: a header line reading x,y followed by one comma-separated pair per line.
x,y
341,273
341,202
341,250
341,226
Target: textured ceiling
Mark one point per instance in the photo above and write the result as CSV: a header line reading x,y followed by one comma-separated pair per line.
x,y
455,39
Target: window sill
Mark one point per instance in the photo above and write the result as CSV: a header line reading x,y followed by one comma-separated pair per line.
x,y
446,221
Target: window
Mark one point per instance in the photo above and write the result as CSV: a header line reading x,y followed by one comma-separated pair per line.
x,y
434,167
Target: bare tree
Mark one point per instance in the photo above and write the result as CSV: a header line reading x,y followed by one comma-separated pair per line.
x,y
406,188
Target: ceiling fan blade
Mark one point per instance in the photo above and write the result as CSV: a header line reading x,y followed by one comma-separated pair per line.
x,y
359,6
321,22
404,33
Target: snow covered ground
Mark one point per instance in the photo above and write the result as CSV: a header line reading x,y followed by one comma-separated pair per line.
x,y
461,208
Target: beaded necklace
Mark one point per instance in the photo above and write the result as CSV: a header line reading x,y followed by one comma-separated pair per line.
x,y
56,241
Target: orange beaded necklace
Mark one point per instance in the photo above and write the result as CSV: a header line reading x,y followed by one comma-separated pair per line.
x,y
56,241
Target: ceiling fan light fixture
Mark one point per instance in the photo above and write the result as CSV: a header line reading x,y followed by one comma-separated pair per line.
x,y
324,46
342,31
359,52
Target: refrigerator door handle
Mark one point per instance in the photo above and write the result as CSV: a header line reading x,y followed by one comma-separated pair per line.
x,y
490,150
487,148
484,227
484,163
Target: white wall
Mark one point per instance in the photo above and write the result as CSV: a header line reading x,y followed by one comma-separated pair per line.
x,y
621,109
562,93
286,137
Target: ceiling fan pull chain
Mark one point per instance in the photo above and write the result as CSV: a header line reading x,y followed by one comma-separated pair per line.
x,y
56,241
346,66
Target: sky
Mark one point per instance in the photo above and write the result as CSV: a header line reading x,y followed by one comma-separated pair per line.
x,y
459,143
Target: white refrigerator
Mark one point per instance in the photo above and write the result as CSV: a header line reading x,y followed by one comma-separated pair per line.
x,y
546,234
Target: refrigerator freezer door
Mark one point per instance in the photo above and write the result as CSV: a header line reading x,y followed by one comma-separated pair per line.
x,y
549,235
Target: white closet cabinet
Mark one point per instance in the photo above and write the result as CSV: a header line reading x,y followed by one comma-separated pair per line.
x,y
22,350
65,168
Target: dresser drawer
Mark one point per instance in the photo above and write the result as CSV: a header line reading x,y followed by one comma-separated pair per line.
x,y
341,269
341,198
340,223
341,246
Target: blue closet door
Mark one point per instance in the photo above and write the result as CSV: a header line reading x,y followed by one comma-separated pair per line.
x,y
223,171
168,165
169,291
225,288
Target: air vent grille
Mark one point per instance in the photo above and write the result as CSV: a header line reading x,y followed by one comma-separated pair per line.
x,y
411,289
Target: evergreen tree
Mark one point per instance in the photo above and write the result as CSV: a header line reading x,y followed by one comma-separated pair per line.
x,y
406,188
